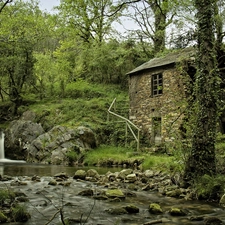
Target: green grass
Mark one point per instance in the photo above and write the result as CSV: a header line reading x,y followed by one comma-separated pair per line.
x,y
83,104
109,153
161,162
120,154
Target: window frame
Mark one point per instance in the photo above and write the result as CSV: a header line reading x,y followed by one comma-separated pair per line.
x,y
156,84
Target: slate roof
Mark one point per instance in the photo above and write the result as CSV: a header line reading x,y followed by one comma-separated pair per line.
x,y
170,58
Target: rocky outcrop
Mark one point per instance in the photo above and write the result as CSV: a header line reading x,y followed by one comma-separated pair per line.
x,y
27,140
18,135
59,144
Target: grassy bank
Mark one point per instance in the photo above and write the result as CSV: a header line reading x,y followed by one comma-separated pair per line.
x,y
118,156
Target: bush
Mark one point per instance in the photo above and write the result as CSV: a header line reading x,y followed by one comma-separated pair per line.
x,y
209,188
72,156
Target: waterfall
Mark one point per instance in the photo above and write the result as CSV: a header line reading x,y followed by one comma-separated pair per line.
x,y
2,148
2,152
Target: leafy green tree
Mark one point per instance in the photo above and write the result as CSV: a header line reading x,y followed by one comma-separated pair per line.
x,y
91,19
18,34
202,157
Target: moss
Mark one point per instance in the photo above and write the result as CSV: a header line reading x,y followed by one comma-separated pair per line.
x,y
177,212
155,208
114,193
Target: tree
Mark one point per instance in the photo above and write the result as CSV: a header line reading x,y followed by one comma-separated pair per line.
x,y
152,17
202,157
91,19
18,38
3,4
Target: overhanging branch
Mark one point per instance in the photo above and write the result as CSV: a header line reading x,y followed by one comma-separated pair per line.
x,y
4,4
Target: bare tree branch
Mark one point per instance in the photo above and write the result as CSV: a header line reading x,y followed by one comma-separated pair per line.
x,y
4,4
120,6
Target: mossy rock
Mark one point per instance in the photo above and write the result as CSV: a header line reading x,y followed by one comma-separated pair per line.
x,y
115,193
177,212
117,211
174,193
155,208
80,174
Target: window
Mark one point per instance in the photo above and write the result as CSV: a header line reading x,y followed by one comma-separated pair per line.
x,y
157,84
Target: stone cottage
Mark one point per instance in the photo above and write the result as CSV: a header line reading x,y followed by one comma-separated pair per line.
x,y
157,93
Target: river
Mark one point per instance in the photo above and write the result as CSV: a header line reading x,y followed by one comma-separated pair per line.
x,y
46,199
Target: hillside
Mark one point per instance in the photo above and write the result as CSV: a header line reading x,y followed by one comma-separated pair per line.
x,y
81,104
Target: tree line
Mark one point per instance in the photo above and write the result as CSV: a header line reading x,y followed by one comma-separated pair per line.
x,y
40,52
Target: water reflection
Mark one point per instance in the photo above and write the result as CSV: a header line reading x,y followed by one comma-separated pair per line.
x,y
45,170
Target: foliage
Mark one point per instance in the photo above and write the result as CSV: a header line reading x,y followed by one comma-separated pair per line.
x,y
207,84
3,218
20,214
91,20
6,195
209,188
18,39
72,156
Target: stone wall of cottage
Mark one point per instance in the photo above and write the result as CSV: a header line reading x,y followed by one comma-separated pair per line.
x,y
169,106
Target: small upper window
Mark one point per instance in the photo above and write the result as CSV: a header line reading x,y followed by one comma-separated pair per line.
x,y
157,84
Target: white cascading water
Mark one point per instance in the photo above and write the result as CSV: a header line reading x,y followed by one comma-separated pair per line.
x,y
2,148
2,151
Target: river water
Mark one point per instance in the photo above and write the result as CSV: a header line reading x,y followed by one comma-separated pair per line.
x,y
46,199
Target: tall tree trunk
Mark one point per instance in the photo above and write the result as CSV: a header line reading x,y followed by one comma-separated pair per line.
x,y
202,158
160,26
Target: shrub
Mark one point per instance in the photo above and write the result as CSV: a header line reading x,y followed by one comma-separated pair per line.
x,y
20,214
6,195
209,188
72,156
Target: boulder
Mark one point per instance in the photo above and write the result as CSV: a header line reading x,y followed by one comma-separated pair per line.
x,y
132,209
18,136
115,193
155,208
55,146
80,174
123,173
131,178
92,173
117,211
25,139
176,212
62,175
